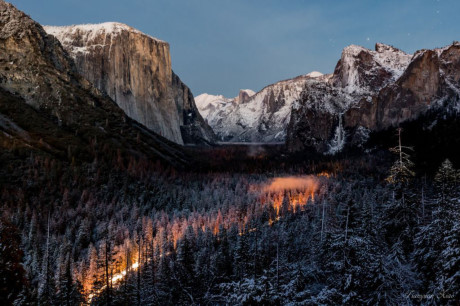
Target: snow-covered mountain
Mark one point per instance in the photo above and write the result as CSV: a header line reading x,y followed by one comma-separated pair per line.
x,y
317,117
373,91
254,117
265,117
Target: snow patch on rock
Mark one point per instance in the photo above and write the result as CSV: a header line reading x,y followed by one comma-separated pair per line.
x,y
314,74
94,30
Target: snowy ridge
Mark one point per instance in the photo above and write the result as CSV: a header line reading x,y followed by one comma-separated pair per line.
x,y
392,58
263,118
439,51
93,30
90,35
208,104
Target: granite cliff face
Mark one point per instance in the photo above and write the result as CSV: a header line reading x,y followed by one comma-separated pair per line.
x,y
372,91
48,106
317,119
134,69
193,127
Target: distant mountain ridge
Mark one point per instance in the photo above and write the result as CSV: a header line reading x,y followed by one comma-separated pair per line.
x,y
259,117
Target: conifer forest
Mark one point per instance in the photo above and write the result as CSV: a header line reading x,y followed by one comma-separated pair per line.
x,y
265,231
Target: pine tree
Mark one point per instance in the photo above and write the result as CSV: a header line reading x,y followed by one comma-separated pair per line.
x,y
164,272
93,281
437,252
46,289
12,279
83,235
69,292
223,262
204,270
448,285
241,257
445,180
401,171
185,260
401,214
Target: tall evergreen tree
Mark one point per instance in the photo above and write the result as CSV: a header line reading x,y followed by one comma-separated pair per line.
x,y
46,290
12,279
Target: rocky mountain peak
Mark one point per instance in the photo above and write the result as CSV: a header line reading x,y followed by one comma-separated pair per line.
x,y
382,48
256,117
362,70
381,89
15,23
92,30
79,39
245,95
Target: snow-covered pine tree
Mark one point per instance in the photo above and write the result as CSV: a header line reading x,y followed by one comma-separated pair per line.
x,y
46,290
437,252
401,213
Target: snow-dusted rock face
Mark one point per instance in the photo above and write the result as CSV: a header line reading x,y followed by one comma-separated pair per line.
x,y
134,69
254,117
372,91
431,79
312,105
362,70
316,119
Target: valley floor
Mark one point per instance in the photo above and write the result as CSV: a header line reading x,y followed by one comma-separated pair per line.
x,y
243,225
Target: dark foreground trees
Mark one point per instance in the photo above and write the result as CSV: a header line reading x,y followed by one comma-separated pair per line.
x,y
221,238
12,274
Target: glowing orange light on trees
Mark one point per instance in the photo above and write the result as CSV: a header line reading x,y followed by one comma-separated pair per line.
x,y
298,191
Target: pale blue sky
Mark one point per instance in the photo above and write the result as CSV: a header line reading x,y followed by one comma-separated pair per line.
x,y
221,46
